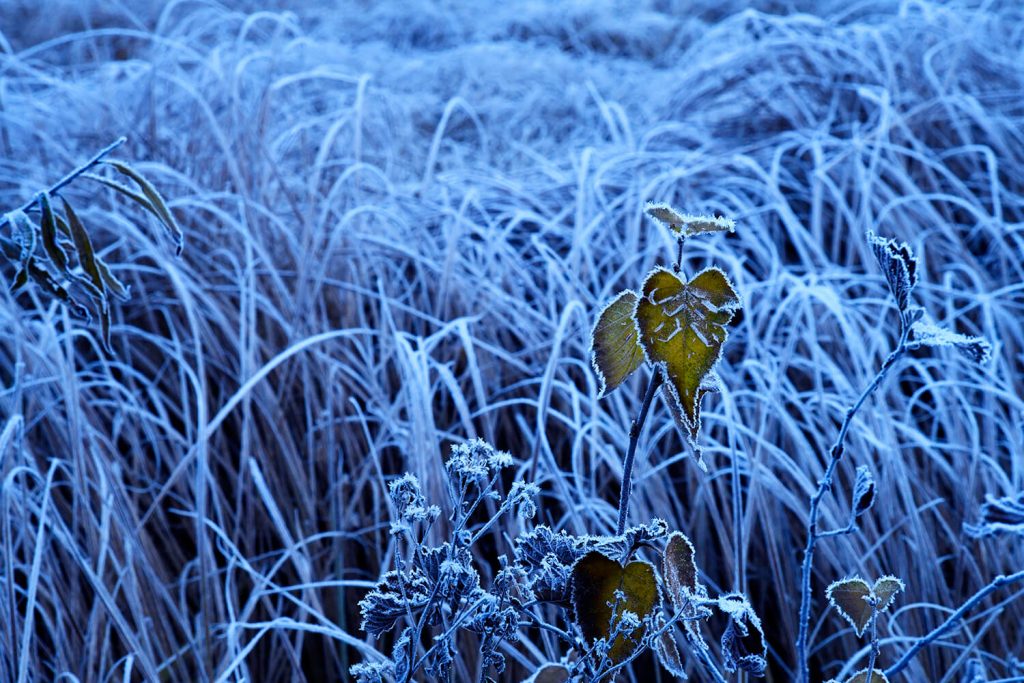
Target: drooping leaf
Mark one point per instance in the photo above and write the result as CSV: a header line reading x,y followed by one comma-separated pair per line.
x,y
597,580
927,334
898,264
24,234
614,351
885,590
114,285
681,329
851,597
668,652
47,282
48,230
679,569
688,224
549,673
159,207
94,278
85,252
743,645
863,491
20,278
877,676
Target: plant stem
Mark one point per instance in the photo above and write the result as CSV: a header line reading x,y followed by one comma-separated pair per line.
x,y
874,642
924,641
70,177
634,437
835,455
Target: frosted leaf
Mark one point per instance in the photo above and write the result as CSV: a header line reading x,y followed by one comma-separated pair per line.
x,y
604,592
851,597
679,569
743,645
924,333
898,264
154,202
549,673
855,600
688,224
668,652
863,492
862,676
681,328
614,351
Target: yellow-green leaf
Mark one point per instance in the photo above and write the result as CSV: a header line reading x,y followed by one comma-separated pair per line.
x,y
681,329
596,580
156,202
48,230
614,351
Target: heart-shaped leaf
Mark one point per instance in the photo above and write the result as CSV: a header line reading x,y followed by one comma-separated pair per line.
x,y
681,330
855,600
614,351
885,591
688,224
898,264
851,598
603,589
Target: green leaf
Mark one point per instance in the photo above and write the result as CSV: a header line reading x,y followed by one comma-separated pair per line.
x,y
679,569
851,597
116,287
48,229
681,329
685,224
877,676
596,579
84,250
157,204
90,264
614,351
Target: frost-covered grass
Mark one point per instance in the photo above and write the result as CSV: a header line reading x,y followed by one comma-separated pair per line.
x,y
400,219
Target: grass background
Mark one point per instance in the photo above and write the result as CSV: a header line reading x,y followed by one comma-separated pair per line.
x,y
400,219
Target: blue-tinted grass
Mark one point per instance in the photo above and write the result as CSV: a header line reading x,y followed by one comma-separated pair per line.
x,y
399,221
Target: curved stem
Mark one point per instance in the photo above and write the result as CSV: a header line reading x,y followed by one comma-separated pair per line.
x,y
835,455
70,177
634,437
924,641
